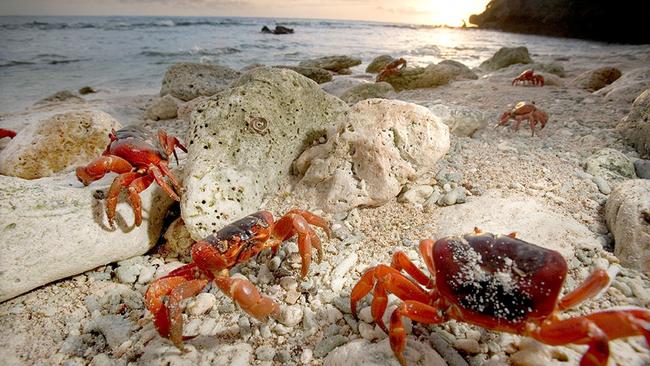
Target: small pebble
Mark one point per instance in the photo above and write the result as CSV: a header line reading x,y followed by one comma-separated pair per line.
x,y
602,185
328,344
265,353
291,297
291,315
470,346
306,356
201,304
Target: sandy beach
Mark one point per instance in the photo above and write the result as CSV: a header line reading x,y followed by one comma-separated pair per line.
x,y
535,186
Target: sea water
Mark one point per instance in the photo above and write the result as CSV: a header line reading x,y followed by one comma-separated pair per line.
x,y
43,55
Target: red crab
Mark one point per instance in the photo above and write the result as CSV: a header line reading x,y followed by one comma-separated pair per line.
x,y
529,76
391,68
215,255
524,111
500,283
139,158
7,133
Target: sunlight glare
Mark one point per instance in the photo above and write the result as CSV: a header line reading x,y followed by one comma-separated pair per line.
x,y
453,13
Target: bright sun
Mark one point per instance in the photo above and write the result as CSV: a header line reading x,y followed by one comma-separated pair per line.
x,y
454,12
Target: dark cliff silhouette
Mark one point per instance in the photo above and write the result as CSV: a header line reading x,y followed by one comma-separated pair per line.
x,y
622,21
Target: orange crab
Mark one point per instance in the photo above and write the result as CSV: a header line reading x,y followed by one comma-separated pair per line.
x,y
215,255
391,69
524,111
139,158
500,283
7,133
530,77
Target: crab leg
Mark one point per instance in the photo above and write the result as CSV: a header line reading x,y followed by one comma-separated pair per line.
x,y
97,168
384,279
138,185
169,143
426,250
591,287
402,262
244,293
123,180
595,330
167,317
297,222
157,174
413,310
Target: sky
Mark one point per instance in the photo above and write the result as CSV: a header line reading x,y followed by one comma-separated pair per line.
x,y
436,12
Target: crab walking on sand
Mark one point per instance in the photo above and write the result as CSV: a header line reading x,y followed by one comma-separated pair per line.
x,y
500,283
213,257
524,111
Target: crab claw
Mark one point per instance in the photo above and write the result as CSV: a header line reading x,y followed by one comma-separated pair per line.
x,y
163,299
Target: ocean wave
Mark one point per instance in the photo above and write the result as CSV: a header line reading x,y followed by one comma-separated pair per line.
x,y
120,24
192,52
428,50
44,59
11,63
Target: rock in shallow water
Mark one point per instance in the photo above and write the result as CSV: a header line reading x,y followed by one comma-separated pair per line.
x,y
187,81
507,56
242,143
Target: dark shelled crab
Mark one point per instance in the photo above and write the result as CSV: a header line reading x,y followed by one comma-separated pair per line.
x,y
213,257
500,283
140,158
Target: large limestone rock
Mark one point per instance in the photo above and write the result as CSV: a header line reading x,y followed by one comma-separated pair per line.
x,y
332,63
376,148
531,220
52,228
610,164
628,217
187,81
57,143
163,108
317,74
629,86
595,79
361,352
505,57
242,143
367,91
635,127
430,76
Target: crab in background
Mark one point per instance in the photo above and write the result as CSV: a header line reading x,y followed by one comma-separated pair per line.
x,y
524,111
214,256
529,76
140,158
500,283
391,69
7,133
